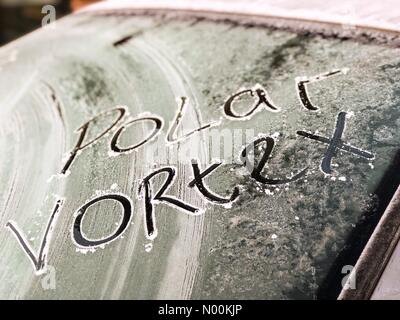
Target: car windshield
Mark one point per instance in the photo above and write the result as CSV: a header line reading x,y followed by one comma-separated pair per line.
x,y
316,118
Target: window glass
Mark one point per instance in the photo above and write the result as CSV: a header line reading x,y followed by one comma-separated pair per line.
x,y
327,119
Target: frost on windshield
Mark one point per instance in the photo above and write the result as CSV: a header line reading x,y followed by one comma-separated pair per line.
x,y
270,149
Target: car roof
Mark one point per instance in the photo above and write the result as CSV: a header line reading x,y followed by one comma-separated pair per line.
x,y
379,16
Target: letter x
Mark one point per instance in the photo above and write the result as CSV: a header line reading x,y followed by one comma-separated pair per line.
x,y
336,143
